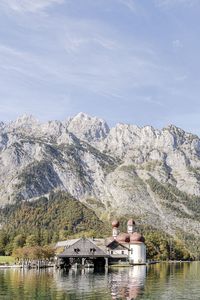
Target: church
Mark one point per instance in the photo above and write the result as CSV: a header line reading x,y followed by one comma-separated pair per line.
x,y
129,246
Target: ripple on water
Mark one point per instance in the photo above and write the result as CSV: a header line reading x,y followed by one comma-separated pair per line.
x,y
162,281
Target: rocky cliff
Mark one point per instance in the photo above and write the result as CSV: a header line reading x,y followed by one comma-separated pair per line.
x,y
151,174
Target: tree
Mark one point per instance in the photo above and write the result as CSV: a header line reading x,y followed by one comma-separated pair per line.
x,y
3,242
31,240
19,241
48,252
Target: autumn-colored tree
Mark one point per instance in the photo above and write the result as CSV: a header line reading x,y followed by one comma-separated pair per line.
x,y
48,252
31,240
4,239
19,241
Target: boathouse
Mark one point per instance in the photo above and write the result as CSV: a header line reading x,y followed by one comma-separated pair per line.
x,y
84,252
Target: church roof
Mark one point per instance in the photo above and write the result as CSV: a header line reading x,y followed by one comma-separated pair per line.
x,y
116,245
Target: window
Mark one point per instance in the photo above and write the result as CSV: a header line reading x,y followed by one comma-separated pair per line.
x,y
122,252
92,250
111,252
131,250
77,250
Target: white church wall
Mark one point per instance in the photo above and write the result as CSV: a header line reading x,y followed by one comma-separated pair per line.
x,y
137,253
119,252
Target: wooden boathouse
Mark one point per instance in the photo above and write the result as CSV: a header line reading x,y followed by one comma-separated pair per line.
x,y
84,253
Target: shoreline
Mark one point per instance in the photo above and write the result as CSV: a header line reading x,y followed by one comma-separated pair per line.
x,y
10,266
23,267
3,267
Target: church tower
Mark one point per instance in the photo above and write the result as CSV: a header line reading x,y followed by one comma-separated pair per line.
x,y
115,231
130,226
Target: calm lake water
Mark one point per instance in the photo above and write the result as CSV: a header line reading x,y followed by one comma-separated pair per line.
x,y
162,282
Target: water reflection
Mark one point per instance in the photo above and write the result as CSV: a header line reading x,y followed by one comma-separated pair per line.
x,y
24,284
127,283
161,281
83,283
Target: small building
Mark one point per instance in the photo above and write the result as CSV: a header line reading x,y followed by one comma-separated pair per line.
x,y
118,253
83,252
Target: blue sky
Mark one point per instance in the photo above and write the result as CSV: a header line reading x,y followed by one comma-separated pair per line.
x,y
131,61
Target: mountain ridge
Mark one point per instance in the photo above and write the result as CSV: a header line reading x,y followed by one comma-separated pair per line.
x,y
127,169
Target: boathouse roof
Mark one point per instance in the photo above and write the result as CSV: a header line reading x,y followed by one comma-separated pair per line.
x,y
66,243
83,247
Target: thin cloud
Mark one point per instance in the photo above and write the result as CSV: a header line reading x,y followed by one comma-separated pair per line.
x,y
29,5
130,4
177,44
150,100
74,44
172,3
105,43
181,78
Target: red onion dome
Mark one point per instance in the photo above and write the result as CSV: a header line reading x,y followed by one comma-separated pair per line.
x,y
131,222
123,238
115,223
136,237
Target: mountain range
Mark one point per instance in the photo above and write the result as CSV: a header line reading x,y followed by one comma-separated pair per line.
x,y
151,174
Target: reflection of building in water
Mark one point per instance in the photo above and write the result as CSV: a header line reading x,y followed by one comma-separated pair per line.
x,y
121,248
119,283
128,283
83,283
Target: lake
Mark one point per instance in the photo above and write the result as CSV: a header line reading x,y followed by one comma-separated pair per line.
x,y
161,281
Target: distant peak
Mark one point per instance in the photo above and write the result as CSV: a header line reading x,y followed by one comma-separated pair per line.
x,y
149,127
172,126
88,128
174,129
26,119
82,115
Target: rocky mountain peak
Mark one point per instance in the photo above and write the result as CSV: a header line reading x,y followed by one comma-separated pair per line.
x,y
87,128
26,120
2,124
53,128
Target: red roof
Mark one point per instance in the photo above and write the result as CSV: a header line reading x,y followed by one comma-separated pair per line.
x,y
131,222
136,237
123,238
115,223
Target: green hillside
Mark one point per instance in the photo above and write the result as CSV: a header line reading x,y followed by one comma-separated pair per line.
x,y
46,221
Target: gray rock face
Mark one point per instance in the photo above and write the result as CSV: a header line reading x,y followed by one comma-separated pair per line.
x,y
152,174
90,129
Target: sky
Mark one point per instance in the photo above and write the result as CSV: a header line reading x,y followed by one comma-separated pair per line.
x,y
127,61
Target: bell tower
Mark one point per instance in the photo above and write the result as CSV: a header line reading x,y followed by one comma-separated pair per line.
x,y
130,226
115,230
